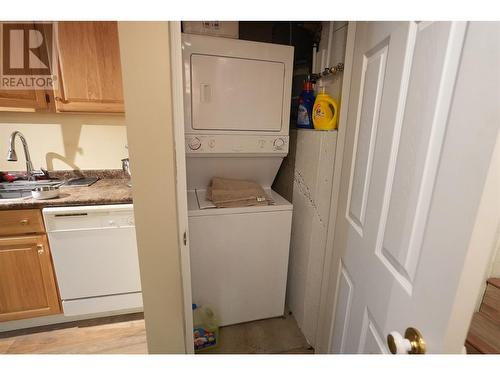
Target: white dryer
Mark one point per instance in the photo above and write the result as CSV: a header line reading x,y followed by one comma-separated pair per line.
x,y
237,110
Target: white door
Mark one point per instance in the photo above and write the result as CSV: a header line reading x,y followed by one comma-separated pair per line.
x,y
412,177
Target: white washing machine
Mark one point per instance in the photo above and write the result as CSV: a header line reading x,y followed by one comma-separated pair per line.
x,y
237,110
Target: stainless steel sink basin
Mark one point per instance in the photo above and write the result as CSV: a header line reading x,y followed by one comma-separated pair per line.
x,y
22,189
14,194
22,185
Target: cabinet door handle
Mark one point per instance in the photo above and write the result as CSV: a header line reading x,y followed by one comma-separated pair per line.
x,y
61,100
24,222
40,249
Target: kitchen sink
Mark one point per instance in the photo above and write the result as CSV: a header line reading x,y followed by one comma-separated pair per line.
x,y
22,189
14,194
23,184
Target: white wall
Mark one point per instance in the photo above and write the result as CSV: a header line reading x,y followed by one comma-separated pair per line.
x,y
312,188
65,141
493,269
331,51
495,264
145,55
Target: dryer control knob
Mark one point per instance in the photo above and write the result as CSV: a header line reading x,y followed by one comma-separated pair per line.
x,y
278,143
194,143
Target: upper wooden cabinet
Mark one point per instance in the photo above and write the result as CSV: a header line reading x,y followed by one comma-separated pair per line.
x,y
89,66
24,100
88,72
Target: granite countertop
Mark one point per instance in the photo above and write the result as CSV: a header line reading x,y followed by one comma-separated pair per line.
x,y
107,190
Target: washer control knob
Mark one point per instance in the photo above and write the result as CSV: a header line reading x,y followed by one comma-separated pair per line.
x,y
278,143
194,143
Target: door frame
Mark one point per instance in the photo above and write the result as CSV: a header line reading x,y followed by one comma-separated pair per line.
x,y
485,234
484,237
328,300
160,209
180,161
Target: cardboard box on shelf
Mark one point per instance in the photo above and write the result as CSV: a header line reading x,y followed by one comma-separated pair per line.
x,y
227,29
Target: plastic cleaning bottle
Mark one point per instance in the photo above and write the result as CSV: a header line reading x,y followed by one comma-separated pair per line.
x,y
306,102
205,328
325,111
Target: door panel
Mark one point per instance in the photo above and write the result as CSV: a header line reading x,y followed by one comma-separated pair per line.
x,y
371,341
372,81
105,258
24,100
90,68
27,283
344,302
403,77
412,174
236,94
236,293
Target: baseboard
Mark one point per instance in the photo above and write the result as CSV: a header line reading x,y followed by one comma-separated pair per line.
x,y
60,318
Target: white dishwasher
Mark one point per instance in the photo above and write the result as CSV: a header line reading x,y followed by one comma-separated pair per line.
x,y
95,258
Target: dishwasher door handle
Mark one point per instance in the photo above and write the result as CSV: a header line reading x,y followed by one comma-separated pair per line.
x,y
72,214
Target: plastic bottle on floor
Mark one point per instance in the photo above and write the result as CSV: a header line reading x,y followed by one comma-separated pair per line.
x,y
205,328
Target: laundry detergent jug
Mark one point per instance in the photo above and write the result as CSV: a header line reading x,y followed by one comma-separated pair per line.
x,y
325,112
306,104
205,327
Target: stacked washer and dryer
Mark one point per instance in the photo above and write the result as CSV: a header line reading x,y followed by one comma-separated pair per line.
x,y
236,110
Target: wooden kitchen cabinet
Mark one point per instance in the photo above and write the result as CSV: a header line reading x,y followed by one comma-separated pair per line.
x,y
24,100
28,286
89,68
88,72
16,222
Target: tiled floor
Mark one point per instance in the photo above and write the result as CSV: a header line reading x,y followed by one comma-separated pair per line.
x,y
268,336
126,335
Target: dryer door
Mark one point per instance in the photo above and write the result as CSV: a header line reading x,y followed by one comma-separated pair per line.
x,y
229,93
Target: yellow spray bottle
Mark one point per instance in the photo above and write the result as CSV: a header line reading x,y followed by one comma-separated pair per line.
x,y
325,112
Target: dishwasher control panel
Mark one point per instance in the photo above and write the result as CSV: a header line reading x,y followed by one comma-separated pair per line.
x,y
118,221
88,217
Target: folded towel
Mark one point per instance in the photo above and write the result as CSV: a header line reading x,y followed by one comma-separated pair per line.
x,y
225,192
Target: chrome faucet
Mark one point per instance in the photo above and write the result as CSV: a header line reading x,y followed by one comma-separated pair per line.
x,y
12,156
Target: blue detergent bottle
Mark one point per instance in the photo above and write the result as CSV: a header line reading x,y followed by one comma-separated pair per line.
x,y
306,103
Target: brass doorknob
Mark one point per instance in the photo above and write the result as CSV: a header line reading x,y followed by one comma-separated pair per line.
x,y
412,343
